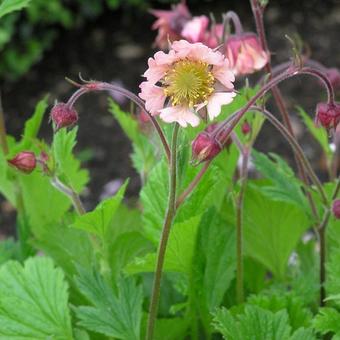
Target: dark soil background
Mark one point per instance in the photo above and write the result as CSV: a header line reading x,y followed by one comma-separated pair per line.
x,y
115,48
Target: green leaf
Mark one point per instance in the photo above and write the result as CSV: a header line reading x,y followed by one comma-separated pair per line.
x,y
272,230
254,324
319,134
327,320
214,264
99,220
115,315
275,301
33,301
179,253
9,6
286,187
68,167
32,126
144,150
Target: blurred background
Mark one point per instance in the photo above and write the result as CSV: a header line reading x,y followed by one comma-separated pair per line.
x,y
111,40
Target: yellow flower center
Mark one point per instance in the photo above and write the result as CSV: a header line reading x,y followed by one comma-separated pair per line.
x,y
188,83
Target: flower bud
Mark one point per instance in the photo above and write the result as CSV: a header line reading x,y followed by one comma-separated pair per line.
x,y
245,53
328,115
24,161
205,146
62,115
336,208
246,128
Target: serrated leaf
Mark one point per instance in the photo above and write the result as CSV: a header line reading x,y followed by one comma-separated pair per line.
x,y
327,320
115,315
32,125
254,324
271,230
33,301
214,263
9,6
285,185
99,220
304,334
143,156
68,167
319,134
179,253
275,301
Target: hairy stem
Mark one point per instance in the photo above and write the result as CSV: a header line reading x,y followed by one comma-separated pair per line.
x,y
258,16
102,86
74,197
169,216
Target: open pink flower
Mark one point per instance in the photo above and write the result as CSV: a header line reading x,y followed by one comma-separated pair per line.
x,y
170,24
245,53
185,80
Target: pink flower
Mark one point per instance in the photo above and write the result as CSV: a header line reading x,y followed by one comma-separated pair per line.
x,y
195,29
336,209
183,81
245,53
170,24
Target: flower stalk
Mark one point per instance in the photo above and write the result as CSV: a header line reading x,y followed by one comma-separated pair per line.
x,y
169,216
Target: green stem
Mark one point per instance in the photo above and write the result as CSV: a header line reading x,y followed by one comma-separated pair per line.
x,y
170,214
239,227
74,197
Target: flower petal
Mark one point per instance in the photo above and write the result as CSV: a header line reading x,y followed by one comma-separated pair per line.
x,y
179,114
217,100
224,74
153,96
155,72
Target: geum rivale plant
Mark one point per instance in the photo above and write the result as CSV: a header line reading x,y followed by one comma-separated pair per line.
x,y
208,250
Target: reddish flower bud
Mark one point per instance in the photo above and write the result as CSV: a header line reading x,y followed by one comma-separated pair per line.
x,y
206,146
336,208
24,161
328,115
63,116
246,128
245,53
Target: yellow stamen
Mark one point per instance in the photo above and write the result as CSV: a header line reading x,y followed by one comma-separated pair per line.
x,y
188,83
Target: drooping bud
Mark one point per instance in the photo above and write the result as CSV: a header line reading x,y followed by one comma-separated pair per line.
x,y
63,116
336,208
327,115
246,128
205,146
245,53
24,161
